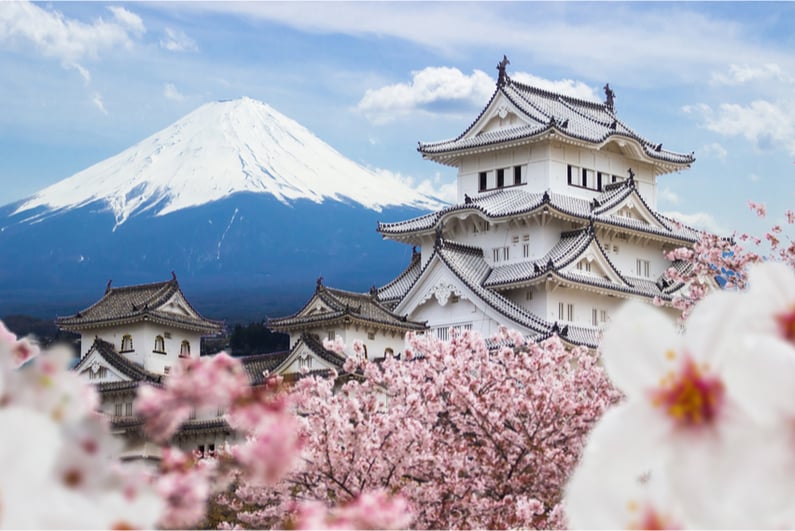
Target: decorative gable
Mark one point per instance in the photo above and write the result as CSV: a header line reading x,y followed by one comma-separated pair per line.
x,y
501,114
633,209
95,369
304,359
592,262
315,307
177,305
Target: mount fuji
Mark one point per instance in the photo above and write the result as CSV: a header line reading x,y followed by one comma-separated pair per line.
x,y
244,204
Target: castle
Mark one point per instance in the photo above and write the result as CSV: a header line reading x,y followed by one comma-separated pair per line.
x,y
555,223
555,226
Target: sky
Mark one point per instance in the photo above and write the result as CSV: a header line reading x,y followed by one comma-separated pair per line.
x,y
81,82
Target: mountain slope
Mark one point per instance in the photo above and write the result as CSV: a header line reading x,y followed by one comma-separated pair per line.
x,y
219,149
246,206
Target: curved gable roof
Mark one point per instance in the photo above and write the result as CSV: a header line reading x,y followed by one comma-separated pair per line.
x,y
544,111
136,303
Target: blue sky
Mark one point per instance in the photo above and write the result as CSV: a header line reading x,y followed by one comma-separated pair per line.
x,y
82,81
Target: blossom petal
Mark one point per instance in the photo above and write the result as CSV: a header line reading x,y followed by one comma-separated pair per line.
x,y
626,444
760,375
635,347
711,327
739,479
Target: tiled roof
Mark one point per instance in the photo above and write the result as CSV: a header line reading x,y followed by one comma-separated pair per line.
x,y
363,307
126,367
545,111
510,202
396,289
136,303
316,346
258,364
468,265
571,246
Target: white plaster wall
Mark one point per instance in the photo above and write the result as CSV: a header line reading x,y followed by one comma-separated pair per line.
x,y
454,313
143,336
628,253
536,303
382,339
584,302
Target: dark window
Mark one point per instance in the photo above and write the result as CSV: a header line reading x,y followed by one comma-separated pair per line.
x,y
517,175
572,175
482,184
126,343
160,346
500,178
584,178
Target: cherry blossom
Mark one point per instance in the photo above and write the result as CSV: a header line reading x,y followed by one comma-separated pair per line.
x,y
693,419
56,449
466,436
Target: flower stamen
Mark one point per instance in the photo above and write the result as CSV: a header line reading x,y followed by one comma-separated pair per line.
x,y
690,398
786,322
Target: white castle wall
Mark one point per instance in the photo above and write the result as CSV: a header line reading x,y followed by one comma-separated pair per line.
x,y
544,166
143,336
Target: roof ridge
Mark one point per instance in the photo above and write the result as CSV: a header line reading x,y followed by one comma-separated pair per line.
x,y
134,287
461,247
559,95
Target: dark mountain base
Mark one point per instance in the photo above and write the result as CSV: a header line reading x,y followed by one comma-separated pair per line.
x,y
240,259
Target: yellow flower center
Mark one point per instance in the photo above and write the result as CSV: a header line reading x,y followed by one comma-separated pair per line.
x,y
690,397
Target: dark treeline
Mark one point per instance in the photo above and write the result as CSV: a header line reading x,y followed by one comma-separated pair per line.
x,y
256,338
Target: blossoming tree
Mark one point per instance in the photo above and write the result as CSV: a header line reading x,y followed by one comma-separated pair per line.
x,y
469,438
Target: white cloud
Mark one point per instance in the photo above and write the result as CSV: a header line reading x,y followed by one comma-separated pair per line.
x,y
754,178
96,99
177,41
651,45
445,191
128,19
576,89
437,90
171,92
427,87
666,194
768,125
714,150
70,41
743,74
700,220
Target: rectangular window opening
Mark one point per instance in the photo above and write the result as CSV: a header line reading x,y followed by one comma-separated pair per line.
x,y
482,181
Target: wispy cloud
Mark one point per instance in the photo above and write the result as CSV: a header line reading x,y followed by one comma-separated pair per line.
x,y
655,43
713,150
446,191
739,74
176,40
700,220
447,90
96,99
767,124
70,41
171,92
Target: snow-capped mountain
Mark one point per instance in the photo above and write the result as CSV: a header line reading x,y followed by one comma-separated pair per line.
x,y
244,204
219,149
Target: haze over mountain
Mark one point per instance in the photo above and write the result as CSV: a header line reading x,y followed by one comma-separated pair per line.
x,y
244,204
